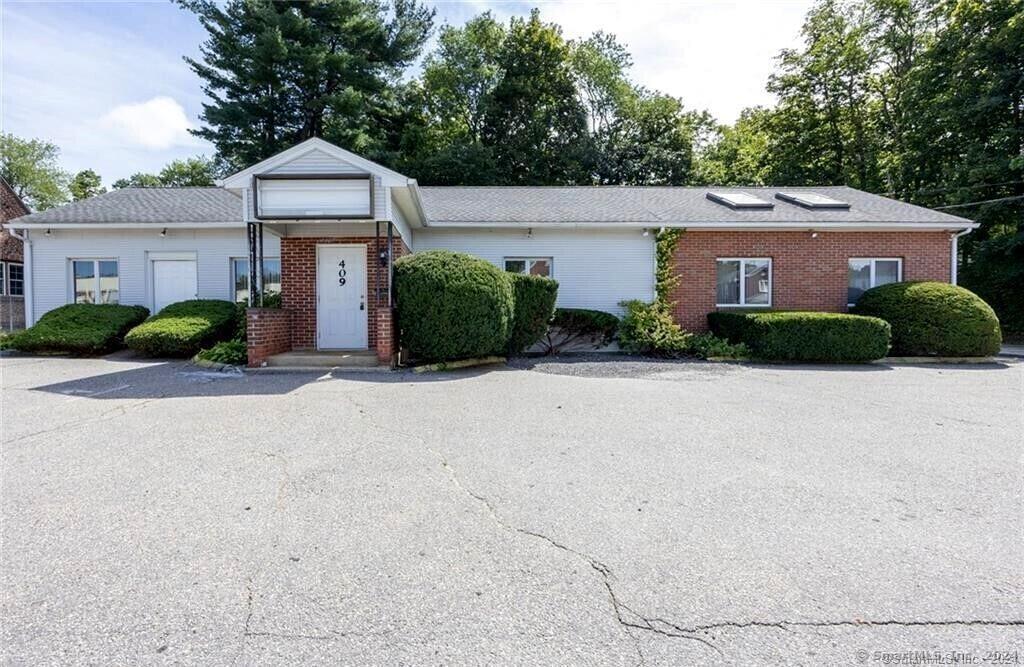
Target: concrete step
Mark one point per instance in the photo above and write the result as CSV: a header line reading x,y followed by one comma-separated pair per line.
x,y
323,359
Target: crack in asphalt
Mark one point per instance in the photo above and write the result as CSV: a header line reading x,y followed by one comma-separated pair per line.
x,y
106,415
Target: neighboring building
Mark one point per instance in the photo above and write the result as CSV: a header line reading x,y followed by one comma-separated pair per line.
x,y
12,271
322,219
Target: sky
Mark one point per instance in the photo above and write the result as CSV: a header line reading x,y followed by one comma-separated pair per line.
x,y
106,82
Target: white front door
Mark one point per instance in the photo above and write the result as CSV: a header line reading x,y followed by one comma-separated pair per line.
x,y
173,280
341,302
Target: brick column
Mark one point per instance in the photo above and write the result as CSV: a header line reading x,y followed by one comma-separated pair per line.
x,y
268,332
385,342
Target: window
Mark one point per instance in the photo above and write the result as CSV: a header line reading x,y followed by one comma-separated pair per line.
x,y
240,277
3,275
534,266
15,279
95,280
866,273
744,282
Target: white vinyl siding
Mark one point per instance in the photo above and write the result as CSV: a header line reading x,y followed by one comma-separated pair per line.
x,y
134,250
594,268
319,162
321,198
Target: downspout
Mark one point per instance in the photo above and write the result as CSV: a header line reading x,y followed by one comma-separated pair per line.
x,y
26,243
953,254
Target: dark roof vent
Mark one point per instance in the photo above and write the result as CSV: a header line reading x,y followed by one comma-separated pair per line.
x,y
811,200
739,200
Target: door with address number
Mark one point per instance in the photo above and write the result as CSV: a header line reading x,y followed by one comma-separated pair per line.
x,y
341,297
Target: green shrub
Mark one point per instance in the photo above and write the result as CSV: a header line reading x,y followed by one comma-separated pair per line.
x,y
79,328
182,329
226,352
804,336
648,328
534,307
572,326
933,318
452,306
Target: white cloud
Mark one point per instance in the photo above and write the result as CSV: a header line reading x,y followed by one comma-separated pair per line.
x,y
156,124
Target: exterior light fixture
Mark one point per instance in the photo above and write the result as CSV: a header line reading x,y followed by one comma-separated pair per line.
x,y
647,232
163,232
814,235
529,232
48,232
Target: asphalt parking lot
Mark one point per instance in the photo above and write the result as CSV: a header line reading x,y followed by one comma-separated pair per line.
x,y
566,513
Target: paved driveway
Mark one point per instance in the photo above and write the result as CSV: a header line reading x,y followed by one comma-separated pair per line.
x,y
700,513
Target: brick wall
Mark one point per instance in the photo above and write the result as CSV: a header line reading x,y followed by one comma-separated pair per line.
x,y
298,283
269,332
807,273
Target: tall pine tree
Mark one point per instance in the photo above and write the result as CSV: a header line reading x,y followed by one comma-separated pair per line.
x,y
278,72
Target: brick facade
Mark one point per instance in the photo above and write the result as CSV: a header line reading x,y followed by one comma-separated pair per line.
x,y
807,273
269,332
298,283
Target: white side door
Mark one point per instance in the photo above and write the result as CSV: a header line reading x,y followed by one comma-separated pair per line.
x,y
173,280
341,315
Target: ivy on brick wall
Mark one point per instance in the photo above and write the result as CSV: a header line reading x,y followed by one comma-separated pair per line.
x,y
665,280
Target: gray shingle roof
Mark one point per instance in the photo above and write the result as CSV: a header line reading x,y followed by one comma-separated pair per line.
x,y
656,205
147,205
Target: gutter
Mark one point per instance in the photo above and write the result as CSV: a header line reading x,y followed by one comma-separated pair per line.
x,y
953,241
29,287
719,226
124,225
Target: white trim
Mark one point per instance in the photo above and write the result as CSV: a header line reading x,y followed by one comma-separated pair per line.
x,y
743,283
26,255
850,226
186,256
871,272
242,178
531,258
155,226
953,242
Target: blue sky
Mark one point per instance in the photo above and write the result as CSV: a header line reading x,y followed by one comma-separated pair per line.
x,y
105,81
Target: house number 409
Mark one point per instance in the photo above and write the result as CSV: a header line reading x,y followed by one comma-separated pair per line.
x,y
341,273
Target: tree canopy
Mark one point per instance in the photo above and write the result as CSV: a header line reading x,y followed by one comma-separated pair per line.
x,y
31,168
190,172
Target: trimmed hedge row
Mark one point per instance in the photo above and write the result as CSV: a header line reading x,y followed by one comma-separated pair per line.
x,y
805,336
933,318
79,328
534,298
452,306
182,329
572,327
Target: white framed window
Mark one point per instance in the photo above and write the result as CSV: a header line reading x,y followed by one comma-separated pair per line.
x,y
534,266
14,274
868,272
743,281
95,280
3,278
240,277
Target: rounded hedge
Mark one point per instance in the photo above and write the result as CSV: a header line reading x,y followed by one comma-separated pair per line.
x,y
933,318
805,336
182,329
452,305
79,328
534,298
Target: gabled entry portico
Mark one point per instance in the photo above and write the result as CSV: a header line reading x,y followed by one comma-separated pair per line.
x,y
340,227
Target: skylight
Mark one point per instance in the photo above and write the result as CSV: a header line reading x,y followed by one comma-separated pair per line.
x,y
811,200
739,200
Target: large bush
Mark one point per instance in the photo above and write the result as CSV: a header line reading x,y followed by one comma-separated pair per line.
x,y
650,329
79,328
452,306
804,336
534,298
182,329
933,318
571,327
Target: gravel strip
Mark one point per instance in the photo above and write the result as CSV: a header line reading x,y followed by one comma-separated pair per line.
x,y
605,365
